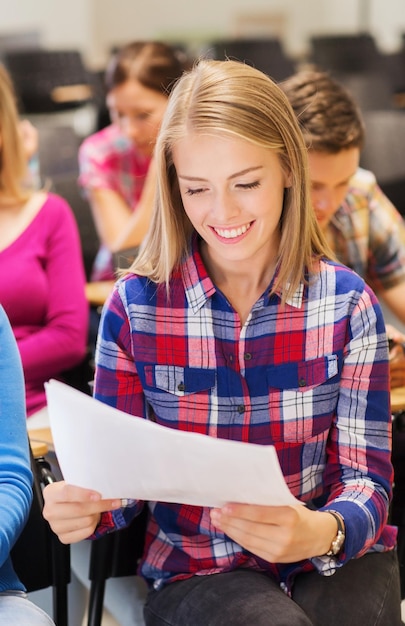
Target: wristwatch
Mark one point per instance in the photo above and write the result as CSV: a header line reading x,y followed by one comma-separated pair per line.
x,y
338,541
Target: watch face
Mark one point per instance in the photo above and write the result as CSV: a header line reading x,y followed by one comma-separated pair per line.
x,y
337,543
339,540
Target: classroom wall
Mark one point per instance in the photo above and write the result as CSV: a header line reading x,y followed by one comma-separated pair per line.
x,y
94,26
62,24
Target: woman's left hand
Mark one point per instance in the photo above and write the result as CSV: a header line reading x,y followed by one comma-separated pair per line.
x,y
278,534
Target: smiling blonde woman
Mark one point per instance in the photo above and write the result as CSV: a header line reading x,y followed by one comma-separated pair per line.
x,y
235,323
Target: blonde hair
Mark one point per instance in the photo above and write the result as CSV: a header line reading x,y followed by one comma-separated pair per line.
x,y
13,161
228,97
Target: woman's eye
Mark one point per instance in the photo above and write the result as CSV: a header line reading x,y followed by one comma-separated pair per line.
x,y
252,185
193,192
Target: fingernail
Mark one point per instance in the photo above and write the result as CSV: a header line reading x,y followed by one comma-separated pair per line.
x,y
126,502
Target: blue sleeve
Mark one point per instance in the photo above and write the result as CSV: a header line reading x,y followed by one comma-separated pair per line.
x,y
15,472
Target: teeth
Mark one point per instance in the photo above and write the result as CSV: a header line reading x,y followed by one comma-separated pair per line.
x,y
234,232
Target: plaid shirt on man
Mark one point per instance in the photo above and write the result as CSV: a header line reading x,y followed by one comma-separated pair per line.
x,y
368,234
311,378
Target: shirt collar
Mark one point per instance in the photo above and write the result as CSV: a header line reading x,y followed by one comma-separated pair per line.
x,y
199,286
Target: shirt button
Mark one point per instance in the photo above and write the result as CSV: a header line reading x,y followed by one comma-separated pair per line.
x,y
241,408
248,356
231,358
181,387
302,382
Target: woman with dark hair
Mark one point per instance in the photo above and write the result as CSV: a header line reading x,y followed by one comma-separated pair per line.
x,y
116,167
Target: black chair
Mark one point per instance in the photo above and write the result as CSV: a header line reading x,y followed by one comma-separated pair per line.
x,y
394,69
39,558
357,52
59,171
46,81
265,54
384,153
58,146
122,259
114,555
19,40
81,376
397,512
67,187
371,89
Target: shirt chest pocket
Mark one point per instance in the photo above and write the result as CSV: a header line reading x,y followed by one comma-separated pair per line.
x,y
303,376
302,401
179,381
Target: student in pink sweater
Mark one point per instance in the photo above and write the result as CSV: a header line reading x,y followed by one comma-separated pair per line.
x,y
41,269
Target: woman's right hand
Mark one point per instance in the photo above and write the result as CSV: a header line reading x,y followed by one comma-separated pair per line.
x,y
73,512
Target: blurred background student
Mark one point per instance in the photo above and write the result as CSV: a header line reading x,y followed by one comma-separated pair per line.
x,y
41,269
361,224
116,166
117,171
15,482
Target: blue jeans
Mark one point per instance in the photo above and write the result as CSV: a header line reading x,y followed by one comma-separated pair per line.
x,y
17,610
364,591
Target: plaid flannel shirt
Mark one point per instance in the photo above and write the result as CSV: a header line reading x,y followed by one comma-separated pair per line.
x,y
311,378
368,234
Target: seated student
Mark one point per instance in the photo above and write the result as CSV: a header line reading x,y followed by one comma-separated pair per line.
x,y
116,167
42,277
361,225
236,279
15,482
41,269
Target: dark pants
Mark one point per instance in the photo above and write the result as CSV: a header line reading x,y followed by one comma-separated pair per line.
x,y
398,500
364,592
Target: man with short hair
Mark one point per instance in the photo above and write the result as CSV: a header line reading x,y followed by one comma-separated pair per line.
x,y
362,226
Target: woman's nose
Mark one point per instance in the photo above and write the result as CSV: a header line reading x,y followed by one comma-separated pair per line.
x,y
131,128
224,208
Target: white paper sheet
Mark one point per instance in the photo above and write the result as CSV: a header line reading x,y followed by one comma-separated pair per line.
x,y
122,456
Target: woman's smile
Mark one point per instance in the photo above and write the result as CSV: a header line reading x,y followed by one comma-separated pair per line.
x,y
232,192
234,233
